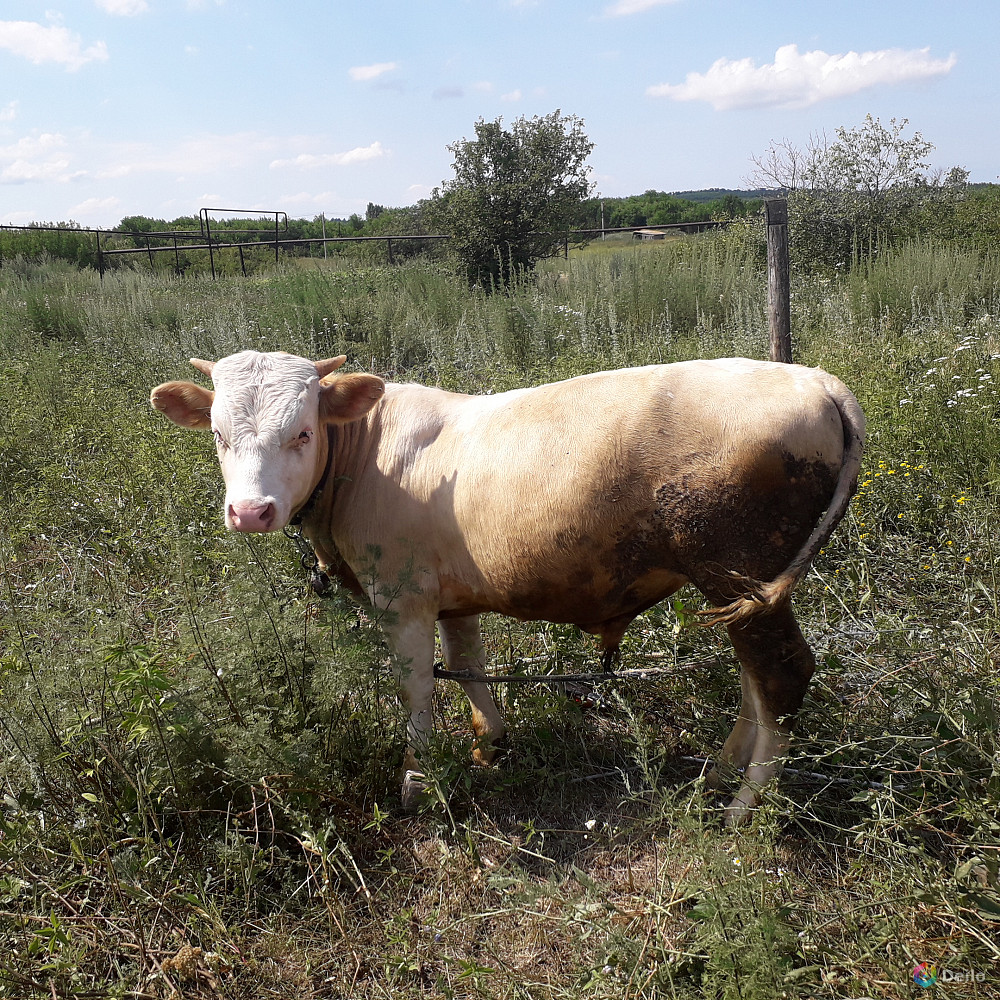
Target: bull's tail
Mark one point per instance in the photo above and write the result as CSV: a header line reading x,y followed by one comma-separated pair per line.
x,y
760,597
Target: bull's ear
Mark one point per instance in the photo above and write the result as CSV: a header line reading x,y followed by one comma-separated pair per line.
x,y
205,367
185,403
344,398
328,365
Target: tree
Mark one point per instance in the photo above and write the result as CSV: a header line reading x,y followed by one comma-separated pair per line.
x,y
855,194
732,206
869,159
513,195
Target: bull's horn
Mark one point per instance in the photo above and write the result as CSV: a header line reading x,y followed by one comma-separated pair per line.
x,y
323,368
205,367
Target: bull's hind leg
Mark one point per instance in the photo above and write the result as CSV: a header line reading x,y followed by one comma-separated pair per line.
x,y
462,645
776,667
738,749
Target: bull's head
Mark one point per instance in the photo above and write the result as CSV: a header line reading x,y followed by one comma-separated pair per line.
x,y
266,414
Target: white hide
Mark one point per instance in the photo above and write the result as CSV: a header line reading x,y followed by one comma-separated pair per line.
x,y
265,419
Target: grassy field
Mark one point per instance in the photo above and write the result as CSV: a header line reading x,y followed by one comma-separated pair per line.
x,y
197,755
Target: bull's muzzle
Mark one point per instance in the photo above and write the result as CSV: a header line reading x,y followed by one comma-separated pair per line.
x,y
251,515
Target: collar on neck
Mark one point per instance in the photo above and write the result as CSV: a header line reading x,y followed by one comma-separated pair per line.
x,y
306,509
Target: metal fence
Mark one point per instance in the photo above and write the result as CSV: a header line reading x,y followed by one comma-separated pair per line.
x,y
213,237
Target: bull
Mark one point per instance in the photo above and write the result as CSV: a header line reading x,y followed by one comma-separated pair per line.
x,y
585,501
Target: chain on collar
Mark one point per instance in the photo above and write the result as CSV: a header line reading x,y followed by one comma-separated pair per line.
x,y
307,555
318,580
320,583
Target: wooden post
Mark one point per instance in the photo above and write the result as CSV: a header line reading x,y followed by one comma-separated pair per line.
x,y
778,281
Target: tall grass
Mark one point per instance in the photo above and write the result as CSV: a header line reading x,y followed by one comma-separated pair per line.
x,y
198,755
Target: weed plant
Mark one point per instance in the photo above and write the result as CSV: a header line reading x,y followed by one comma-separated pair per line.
x,y
198,756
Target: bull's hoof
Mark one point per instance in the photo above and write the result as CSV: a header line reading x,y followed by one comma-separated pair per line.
x,y
741,808
415,794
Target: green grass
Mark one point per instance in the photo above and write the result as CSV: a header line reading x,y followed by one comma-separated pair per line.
x,y
197,756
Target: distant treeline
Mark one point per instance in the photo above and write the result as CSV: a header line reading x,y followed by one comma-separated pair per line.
x,y
78,246
973,215
657,208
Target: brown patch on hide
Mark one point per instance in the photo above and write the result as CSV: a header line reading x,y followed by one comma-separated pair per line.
x,y
600,587
748,521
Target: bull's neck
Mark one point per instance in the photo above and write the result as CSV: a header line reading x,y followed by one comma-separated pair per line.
x,y
324,461
341,451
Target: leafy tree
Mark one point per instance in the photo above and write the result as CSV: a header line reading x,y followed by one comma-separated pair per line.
x,y
513,195
855,194
732,206
975,220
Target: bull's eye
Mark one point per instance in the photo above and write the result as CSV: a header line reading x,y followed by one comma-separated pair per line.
x,y
220,441
303,439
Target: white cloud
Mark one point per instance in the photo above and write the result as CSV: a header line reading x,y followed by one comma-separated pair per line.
x,y
513,95
93,206
33,145
797,80
36,158
305,200
623,8
40,44
23,218
123,8
371,72
190,156
311,160
22,171
8,112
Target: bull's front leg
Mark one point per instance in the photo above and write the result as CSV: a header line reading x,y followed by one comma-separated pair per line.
x,y
411,643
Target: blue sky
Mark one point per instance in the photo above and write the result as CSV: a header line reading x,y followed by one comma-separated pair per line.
x,y
111,108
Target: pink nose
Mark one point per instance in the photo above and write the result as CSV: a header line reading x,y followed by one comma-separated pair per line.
x,y
248,516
